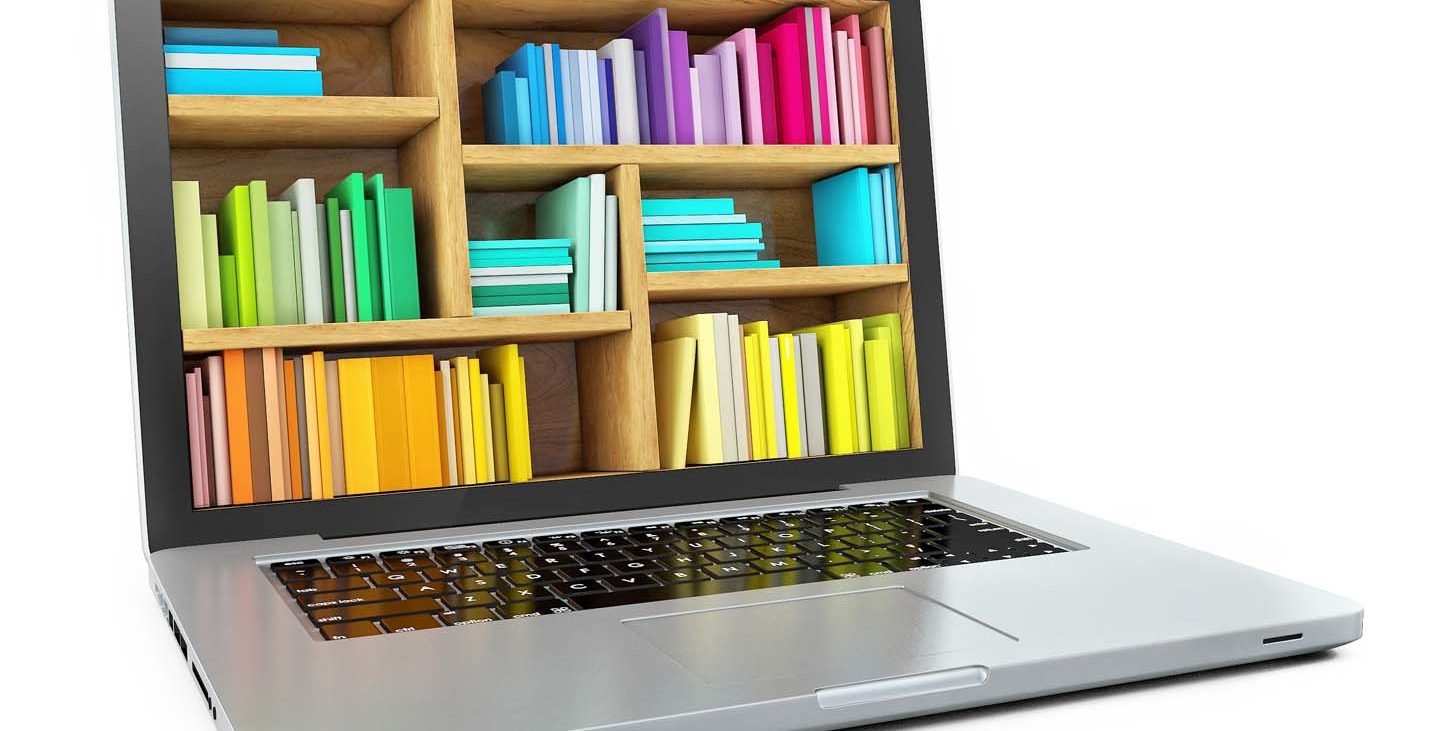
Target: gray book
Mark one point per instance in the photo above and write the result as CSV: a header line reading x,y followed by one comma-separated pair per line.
x,y
737,385
814,394
803,448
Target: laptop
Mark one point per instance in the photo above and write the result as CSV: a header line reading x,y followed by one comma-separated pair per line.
x,y
817,593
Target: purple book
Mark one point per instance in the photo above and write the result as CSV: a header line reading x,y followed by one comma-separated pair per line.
x,y
652,37
680,94
607,100
712,100
729,59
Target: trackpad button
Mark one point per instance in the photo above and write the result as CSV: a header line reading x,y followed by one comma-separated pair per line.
x,y
834,638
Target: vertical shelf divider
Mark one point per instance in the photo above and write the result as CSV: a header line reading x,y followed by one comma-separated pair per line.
x,y
616,373
423,50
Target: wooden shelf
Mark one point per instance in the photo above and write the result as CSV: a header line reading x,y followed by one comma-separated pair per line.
x,y
298,121
413,333
527,167
359,12
772,283
697,16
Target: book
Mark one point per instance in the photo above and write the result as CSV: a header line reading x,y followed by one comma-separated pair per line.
x,y
847,64
621,54
229,302
730,90
604,72
264,263
528,64
499,443
257,424
706,439
282,263
316,428
837,364
510,311
714,266
767,388
554,99
794,101
190,258
195,430
515,300
403,301
642,98
844,87
710,99
769,112
747,86
856,330
705,232
523,120
503,280
364,247
240,61
682,89
880,382
340,485
444,391
792,397
888,327
228,82
811,385
236,242
505,366
216,49
696,112
502,124
880,251
485,427
210,254
276,428
843,231
347,267
574,120
612,253
892,215
730,326
237,427
879,84
651,37
565,270
683,220
291,407
717,257
521,257
303,441
674,388
590,71
357,415
519,244
690,247
756,406
221,36
479,395
687,207
597,256
828,84
301,196
392,439
506,290
565,214
776,414
465,413
219,431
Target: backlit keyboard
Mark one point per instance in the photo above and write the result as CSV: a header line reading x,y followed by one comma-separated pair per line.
x,y
414,589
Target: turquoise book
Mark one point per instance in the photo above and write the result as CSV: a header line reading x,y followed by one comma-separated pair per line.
x,y
704,232
522,113
222,36
529,261
502,125
511,244
688,207
843,228
528,63
713,267
695,247
892,215
702,257
244,50
243,82
565,214
878,240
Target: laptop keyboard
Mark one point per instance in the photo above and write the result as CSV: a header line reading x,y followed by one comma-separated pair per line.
x,y
414,589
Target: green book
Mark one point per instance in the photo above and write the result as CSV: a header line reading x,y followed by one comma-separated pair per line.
x,y
337,259
282,263
210,238
380,227
264,267
888,327
299,267
229,302
403,299
565,214
189,254
504,290
237,243
350,194
522,299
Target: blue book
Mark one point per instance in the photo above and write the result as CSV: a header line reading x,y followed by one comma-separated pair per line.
x,y
704,232
233,82
244,50
500,122
701,257
528,64
558,64
688,207
843,229
690,247
607,101
715,267
508,244
521,261
892,215
222,36
523,120
878,241
503,258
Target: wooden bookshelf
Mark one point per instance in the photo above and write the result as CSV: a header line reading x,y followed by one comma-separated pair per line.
x,y
210,122
772,283
440,332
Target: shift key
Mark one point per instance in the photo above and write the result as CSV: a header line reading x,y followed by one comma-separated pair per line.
x,y
377,610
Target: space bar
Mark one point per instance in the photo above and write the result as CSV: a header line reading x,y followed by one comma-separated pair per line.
x,y
700,588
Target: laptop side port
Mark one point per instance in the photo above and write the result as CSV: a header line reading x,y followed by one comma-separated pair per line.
x,y
1281,638
203,690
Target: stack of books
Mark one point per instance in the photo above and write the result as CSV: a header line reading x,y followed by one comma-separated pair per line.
x,y
521,277
238,61
299,260
700,234
857,218
801,79
264,427
727,393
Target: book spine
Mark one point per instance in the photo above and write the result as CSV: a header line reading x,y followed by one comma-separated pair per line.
x,y
244,82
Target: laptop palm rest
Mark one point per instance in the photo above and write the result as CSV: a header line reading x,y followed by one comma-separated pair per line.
x,y
835,639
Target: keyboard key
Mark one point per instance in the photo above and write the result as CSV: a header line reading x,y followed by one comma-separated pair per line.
x,y
460,617
821,560
832,531
787,536
507,543
780,551
729,570
532,578
465,601
451,573
742,541
864,555
696,546
419,591
304,573
578,588
599,557
523,594
456,548
356,568
351,558
461,557
405,553
627,583
649,538
508,553
554,538
402,577
346,598
407,563
683,562
582,573
742,519
561,561
734,555
625,568
702,534
605,533
373,611
681,576
533,609
652,528
491,568
551,548
697,523
694,589
296,564
411,623
349,630
776,565
646,553
320,586
478,583
784,524
606,543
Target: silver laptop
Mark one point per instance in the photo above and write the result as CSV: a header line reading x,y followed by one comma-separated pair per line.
x,y
802,594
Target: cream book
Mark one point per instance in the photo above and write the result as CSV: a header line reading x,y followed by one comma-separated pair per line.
x,y
674,387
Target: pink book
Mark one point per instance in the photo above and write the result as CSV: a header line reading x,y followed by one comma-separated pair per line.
x,y
848,55
865,95
747,59
845,90
857,77
219,429
770,123
729,59
792,94
209,437
829,83
198,495
879,86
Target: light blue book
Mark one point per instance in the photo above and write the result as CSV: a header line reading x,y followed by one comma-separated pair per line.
x,y
714,267
479,260
244,50
511,244
528,64
699,257
688,247
222,36
843,229
557,64
523,120
685,220
704,232
232,82
521,310
878,240
892,216
688,207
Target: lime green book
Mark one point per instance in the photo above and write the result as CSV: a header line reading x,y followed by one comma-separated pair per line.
x,y
862,387
337,258
880,381
402,300
264,268
282,263
236,242
229,301
564,213
891,324
350,195
210,240
189,254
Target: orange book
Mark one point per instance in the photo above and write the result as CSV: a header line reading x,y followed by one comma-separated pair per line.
x,y
326,483
292,414
392,439
237,428
357,419
445,470
422,422
275,431
259,434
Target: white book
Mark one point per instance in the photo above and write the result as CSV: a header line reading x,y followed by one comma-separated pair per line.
x,y
597,248
589,89
597,104
302,200
814,78
521,310
642,97
548,50
519,279
857,84
520,271
829,90
696,107
347,251
612,253
621,55
322,234
448,394
846,110
730,88
809,349
240,61
777,401
574,134
725,374
739,394
691,220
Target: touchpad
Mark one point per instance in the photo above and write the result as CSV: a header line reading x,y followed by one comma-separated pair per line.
x,y
834,638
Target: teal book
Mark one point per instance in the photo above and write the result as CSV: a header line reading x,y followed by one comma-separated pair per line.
x,y
892,215
713,267
510,244
350,194
243,50
502,124
690,247
334,238
565,214
688,207
521,310
878,241
521,299
264,267
528,63
704,232
520,261
508,290
702,257
404,264
222,36
282,261
522,112
843,230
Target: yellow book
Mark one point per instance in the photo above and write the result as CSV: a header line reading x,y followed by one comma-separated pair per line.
x,y
486,424
891,324
837,365
497,431
357,424
465,432
862,396
768,387
879,384
312,429
790,395
505,366
445,470
479,394
705,443
422,421
755,396
674,386
315,373
392,441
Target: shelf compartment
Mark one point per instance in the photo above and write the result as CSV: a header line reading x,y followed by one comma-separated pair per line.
x,y
773,283
696,16
368,12
526,167
290,122
454,331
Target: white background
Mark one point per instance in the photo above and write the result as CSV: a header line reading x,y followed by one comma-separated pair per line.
x,y
1191,253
